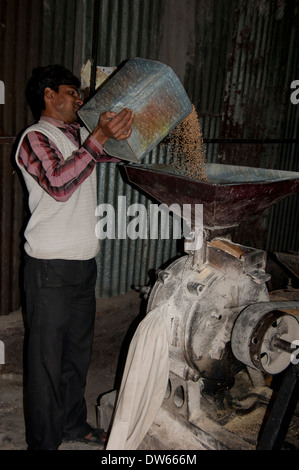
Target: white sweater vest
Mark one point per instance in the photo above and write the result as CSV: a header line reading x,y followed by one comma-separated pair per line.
x,y
60,230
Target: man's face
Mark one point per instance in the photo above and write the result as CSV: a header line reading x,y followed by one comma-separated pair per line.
x,y
65,103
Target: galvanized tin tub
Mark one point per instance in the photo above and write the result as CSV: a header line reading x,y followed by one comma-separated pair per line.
x,y
156,96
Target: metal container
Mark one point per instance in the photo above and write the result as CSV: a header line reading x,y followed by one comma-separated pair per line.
x,y
230,195
156,96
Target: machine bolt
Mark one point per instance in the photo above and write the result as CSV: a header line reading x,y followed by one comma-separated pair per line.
x,y
216,315
161,275
195,288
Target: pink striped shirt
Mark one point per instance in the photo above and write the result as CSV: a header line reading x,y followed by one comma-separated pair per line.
x,y
60,177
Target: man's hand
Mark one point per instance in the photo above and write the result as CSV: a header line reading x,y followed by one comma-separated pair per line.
x,y
114,126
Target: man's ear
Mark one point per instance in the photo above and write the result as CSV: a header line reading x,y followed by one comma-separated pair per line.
x,y
49,94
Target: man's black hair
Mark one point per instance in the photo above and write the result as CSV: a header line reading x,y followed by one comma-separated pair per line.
x,y
42,77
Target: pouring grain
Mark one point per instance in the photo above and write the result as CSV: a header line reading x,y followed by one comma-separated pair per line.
x,y
187,148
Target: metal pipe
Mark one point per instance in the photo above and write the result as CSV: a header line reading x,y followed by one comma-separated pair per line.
x,y
283,345
249,141
95,37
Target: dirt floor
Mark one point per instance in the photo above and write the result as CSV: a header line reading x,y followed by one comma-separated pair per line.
x,y
116,320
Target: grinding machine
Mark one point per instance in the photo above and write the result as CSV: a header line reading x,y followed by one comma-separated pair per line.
x,y
227,337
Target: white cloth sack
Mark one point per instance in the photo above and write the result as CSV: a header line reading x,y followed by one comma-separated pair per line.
x,y
144,382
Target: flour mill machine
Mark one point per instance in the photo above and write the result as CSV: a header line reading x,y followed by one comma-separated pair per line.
x,y
227,337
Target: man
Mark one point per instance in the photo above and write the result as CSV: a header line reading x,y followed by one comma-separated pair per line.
x,y
57,160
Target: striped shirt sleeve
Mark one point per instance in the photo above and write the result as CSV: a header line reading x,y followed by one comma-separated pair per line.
x,y
59,177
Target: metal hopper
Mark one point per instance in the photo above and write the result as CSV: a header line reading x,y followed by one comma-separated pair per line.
x,y
230,195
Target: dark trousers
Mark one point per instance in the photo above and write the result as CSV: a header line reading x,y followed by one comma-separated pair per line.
x,y
60,311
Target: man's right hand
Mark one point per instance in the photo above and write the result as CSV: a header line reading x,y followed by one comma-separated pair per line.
x,y
113,126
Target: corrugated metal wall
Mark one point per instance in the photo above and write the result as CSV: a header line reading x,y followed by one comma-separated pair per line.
x,y
236,60
257,109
